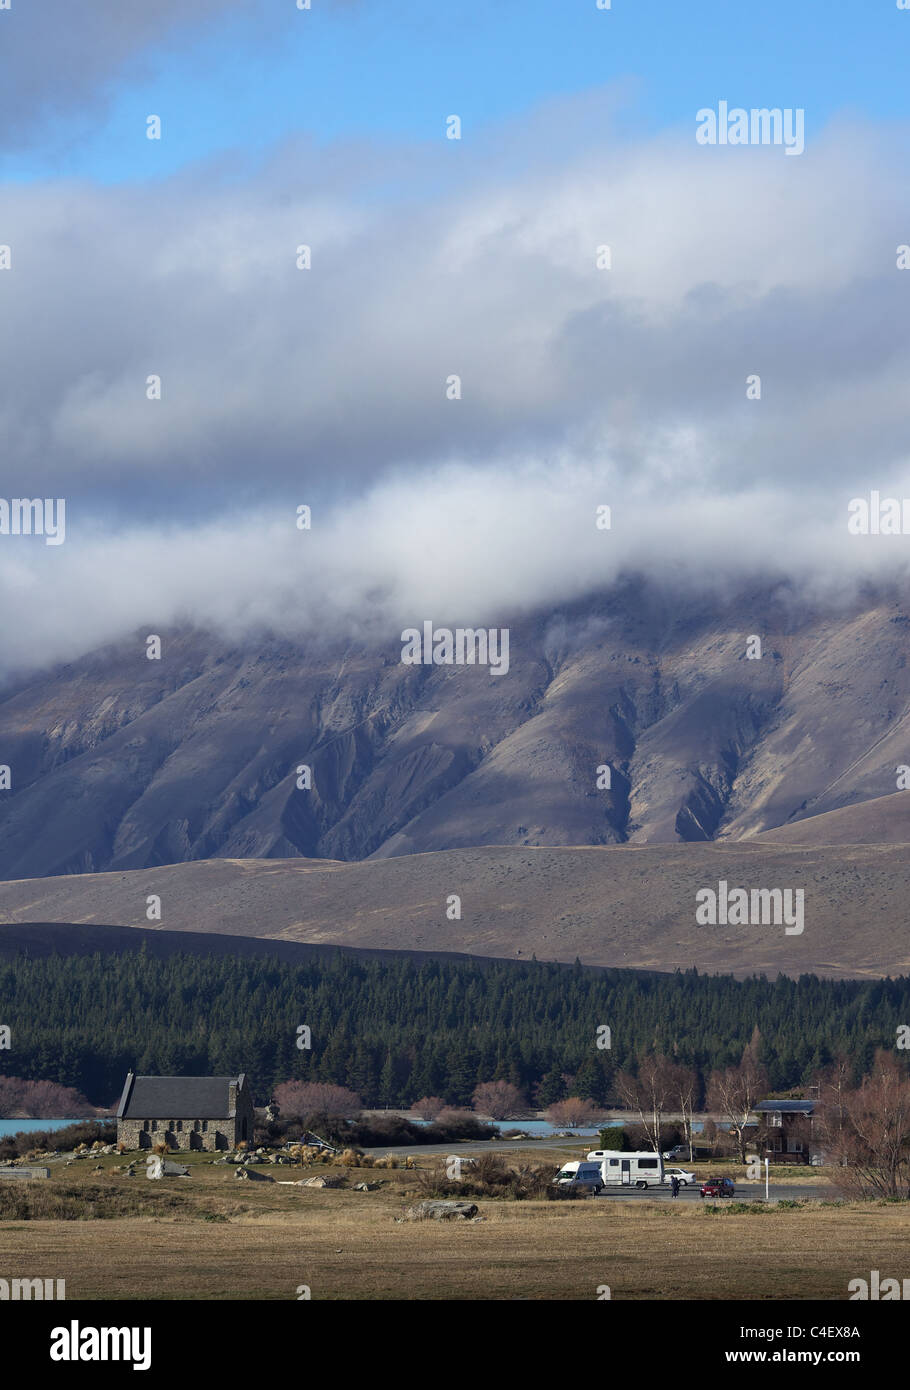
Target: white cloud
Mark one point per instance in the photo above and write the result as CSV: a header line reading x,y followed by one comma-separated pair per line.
x,y
327,386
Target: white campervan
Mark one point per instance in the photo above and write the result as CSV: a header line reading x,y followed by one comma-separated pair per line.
x,y
578,1174
628,1169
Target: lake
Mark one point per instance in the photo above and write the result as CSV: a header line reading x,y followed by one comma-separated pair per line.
x,y
541,1128
26,1126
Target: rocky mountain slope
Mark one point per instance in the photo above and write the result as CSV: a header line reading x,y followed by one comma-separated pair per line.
x,y
118,762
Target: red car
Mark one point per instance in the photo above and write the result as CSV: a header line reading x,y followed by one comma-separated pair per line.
x,y
716,1187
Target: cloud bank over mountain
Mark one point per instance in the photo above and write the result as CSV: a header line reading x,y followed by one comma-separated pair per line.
x,y
579,386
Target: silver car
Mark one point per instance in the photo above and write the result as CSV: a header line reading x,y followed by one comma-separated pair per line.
x,y
683,1174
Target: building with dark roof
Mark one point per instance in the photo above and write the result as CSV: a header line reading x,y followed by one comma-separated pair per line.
x,y
785,1131
185,1112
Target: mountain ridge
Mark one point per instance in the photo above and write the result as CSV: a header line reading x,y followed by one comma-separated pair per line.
x,y
121,763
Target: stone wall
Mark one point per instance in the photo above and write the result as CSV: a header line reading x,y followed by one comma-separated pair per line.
x,y
219,1135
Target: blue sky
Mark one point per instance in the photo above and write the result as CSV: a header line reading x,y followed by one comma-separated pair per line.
x,y
392,72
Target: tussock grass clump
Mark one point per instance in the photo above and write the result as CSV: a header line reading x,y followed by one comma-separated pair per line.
x,y
354,1158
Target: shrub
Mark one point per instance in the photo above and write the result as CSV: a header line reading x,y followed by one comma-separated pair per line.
x,y
383,1129
566,1194
435,1182
530,1181
490,1170
487,1175
458,1124
453,1117
614,1137
396,1131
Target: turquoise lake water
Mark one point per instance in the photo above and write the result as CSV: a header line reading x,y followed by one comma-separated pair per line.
x,y
20,1126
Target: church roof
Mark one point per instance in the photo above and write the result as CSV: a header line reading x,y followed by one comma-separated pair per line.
x,y
177,1097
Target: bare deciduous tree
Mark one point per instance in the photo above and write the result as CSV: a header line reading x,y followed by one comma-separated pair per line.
x,y
498,1099
865,1132
39,1100
650,1093
736,1091
306,1098
570,1113
684,1088
428,1107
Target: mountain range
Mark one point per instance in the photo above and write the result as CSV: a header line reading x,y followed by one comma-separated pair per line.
x,y
717,762
118,762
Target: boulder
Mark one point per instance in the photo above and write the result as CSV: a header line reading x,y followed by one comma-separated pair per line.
x,y
251,1174
165,1168
442,1210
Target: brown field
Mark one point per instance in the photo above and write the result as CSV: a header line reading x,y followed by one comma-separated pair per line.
x,y
266,1240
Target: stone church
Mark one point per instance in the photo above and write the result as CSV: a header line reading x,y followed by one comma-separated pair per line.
x,y
185,1112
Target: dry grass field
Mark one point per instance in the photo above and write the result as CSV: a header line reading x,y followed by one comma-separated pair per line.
x,y
212,1237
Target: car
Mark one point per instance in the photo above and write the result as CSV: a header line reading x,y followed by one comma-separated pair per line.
x,y
683,1174
717,1187
676,1152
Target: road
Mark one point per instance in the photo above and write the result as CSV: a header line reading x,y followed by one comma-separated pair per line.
x,y
745,1192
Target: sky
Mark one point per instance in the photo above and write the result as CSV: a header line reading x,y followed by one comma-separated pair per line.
x,y
431,257
237,76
